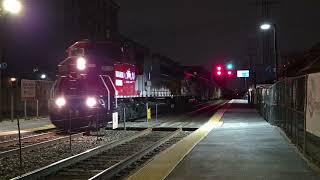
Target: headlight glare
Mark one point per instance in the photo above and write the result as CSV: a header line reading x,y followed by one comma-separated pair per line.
x,y
81,63
60,102
91,102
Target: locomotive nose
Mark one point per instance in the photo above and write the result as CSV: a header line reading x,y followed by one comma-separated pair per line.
x,y
81,111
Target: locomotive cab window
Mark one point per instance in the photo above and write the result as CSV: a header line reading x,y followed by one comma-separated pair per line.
x,y
76,52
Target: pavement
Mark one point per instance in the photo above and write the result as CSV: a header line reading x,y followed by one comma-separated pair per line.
x,y
244,147
194,118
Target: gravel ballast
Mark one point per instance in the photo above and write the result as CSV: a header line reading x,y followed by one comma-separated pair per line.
x,y
32,160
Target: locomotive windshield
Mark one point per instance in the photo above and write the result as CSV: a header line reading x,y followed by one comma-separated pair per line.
x,y
67,86
76,52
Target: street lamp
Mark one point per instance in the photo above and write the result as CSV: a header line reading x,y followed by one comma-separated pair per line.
x,y
6,7
12,6
13,84
43,76
267,27
13,79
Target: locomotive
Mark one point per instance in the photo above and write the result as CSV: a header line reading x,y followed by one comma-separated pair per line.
x,y
98,79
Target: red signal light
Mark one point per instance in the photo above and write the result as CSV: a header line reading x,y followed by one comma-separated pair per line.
x,y
219,68
230,73
219,73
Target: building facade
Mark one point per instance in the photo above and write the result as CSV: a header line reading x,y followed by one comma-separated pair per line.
x,y
95,20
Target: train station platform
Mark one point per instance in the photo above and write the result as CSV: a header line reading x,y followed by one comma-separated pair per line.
x,y
244,147
30,125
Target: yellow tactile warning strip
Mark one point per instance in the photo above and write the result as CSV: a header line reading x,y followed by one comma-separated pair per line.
x,y
7,133
162,165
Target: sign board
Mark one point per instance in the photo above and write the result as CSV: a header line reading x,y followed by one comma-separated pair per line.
x,y
28,89
115,120
125,79
313,104
243,73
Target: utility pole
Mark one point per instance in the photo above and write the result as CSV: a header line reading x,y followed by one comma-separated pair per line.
x,y
252,69
275,46
6,8
2,54
268,42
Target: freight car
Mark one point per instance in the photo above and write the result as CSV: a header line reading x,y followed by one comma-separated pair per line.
x,y
98,79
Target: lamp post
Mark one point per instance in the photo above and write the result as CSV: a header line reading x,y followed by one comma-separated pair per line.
x,y
267,27
12,81
7,7
43,76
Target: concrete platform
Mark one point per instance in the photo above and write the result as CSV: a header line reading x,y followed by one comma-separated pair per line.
x,y
245,147
189,119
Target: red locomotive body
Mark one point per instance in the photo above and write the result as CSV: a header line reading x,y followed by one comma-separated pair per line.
x,y
97,79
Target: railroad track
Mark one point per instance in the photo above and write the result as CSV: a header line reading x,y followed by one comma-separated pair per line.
x,y
11,147
9,137
107,160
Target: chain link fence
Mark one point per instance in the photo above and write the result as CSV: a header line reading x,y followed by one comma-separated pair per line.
x,y
284,104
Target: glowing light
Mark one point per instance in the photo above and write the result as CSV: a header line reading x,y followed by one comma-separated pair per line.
x,y
81,63
219,68
43,76
265,26
12,6
229,66
91,102
13,79
229,73
60,102
219,73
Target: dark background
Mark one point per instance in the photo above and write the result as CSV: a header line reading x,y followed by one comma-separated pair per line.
x,y
199,32
191,32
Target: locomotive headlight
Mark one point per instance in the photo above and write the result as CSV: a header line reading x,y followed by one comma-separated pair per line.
x,y
91,102
60,102
81,63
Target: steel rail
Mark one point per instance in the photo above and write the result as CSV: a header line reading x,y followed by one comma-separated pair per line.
x,y
116,168
38,145
8,137
14,141
50,169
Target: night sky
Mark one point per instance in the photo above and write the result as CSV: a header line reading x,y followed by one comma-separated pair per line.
x,y
192,32
36,37
202,32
